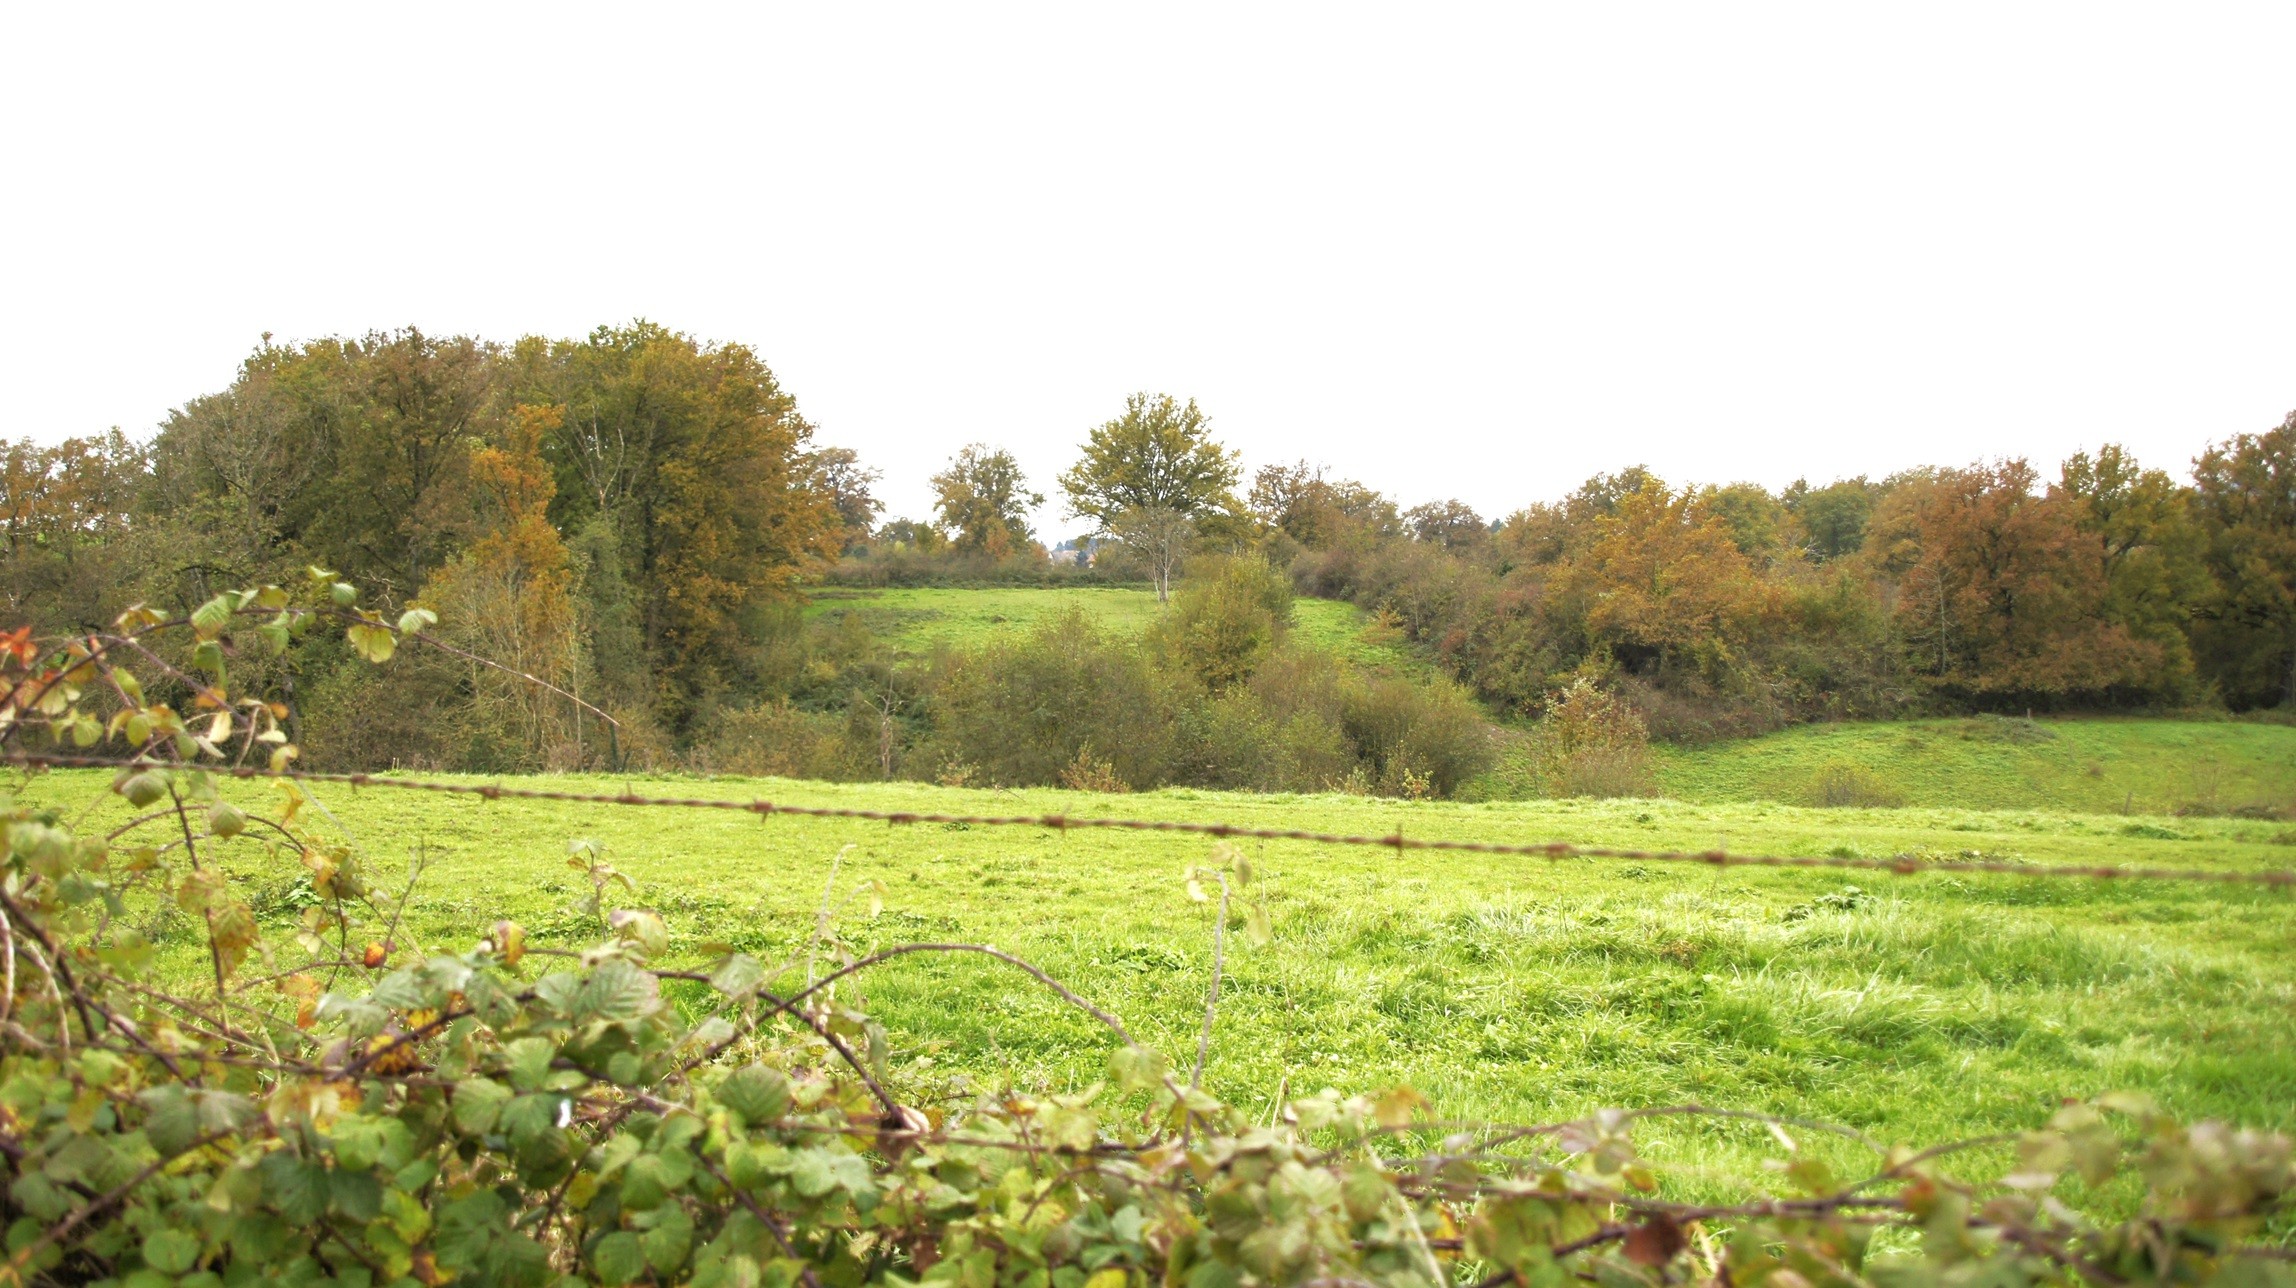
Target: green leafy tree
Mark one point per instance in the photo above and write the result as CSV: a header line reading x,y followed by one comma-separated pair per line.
x,y
1833,518
850,485
697,457
2149,552
984,498
1154,472
1757,520
2245,493
1317,512
1453,525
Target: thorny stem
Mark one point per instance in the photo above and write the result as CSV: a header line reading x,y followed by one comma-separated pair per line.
x,y
206,911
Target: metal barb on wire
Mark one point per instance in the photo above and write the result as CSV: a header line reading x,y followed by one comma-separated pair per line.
x,y
1904,865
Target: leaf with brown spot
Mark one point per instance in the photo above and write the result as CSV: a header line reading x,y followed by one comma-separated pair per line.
x,y
1655,1242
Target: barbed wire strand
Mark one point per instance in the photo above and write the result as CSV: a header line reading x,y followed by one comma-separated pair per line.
x,y
1903,865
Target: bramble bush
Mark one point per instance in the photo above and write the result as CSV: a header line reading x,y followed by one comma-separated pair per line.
x,y
336,1108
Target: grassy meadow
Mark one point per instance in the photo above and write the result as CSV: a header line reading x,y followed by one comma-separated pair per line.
x,y
1916,1008
2124,765
916,619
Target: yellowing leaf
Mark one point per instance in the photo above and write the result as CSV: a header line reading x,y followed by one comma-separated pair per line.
x,y
374,643
209,619
1396,1106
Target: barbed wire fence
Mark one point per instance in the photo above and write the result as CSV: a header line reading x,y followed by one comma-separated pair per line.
x,y
1399,841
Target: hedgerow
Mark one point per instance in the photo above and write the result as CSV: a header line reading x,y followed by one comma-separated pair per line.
x,y
342,1108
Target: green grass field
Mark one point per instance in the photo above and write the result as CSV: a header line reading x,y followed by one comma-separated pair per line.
x,y
1918,1008
2136,766
914,619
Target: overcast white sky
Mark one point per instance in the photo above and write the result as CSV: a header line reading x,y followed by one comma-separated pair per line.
x,y
1453,251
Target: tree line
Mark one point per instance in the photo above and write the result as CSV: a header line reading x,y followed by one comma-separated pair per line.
x,y
632,518
1722,609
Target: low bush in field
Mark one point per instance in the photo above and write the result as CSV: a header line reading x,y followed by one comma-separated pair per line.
x,y
778,739
1592,743
1021,710
1846,786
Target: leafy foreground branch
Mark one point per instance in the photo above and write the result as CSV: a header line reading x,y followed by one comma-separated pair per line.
x,y
359,1113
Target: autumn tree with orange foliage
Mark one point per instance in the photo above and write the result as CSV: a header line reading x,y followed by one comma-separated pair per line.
x,y
2001,595
1664,586
509,598
688,464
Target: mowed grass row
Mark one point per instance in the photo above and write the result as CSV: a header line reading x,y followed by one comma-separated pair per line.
x,y
1917,1008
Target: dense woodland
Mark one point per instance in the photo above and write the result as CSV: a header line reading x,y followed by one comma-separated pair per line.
x,y
634,518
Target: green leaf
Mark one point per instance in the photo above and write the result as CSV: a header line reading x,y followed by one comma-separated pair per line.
x,y
1366,1191
171,1123
759,1094
752,1167
811,1173
209,619
207,655
615,1154
477,1103
143,788
357,1195
224,819
618,1258
644,929
1256,925
739,977
415,620
1136,1068
667,1243
529,1060
297,1189
648,1180
170,1251
616,991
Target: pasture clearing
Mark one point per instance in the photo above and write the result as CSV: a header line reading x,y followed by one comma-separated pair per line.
x,y
2112,765
1917,1008
917,618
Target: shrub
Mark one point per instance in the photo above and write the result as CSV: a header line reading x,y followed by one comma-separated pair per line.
x,y
1415,738
1840,785
1088,773
1592,743
778,740
1021,710
1225,620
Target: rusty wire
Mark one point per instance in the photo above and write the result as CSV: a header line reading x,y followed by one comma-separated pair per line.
x,y
1904,864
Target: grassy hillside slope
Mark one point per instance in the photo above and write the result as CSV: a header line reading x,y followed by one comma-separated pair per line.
x,y
914,619
1917,1007
2109,765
